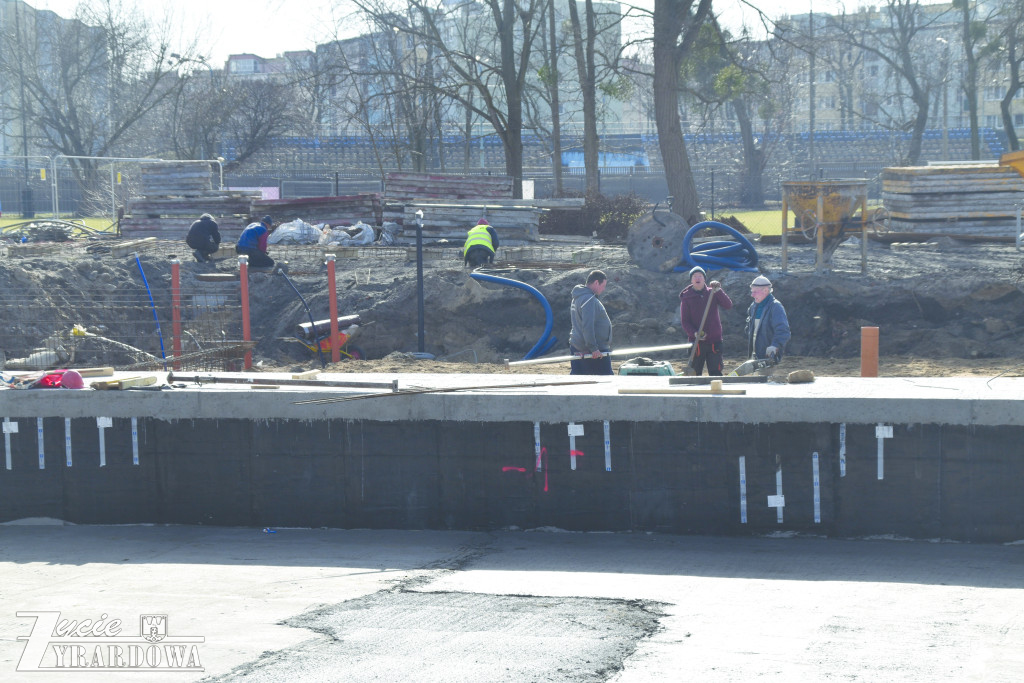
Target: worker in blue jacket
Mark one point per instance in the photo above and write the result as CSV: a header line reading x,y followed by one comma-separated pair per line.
x,y
767,324
253,243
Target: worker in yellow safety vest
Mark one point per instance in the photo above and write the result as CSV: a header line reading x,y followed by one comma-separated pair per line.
x,y
481,243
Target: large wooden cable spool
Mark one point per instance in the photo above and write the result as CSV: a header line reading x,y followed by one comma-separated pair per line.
x,y
655,241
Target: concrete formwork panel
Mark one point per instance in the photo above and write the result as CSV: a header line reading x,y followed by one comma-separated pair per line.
x,y
405,463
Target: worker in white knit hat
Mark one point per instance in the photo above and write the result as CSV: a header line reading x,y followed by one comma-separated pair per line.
x,y
767,325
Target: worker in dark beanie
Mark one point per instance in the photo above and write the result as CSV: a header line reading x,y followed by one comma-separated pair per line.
x,y
253,243
203,237
699,297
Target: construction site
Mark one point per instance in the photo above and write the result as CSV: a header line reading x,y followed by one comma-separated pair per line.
x,y
216,359
371,447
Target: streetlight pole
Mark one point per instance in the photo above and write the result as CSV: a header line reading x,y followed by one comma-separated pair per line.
x,y
419,281
945,97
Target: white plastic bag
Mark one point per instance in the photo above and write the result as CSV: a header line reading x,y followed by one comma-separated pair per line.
x,y
297,231
357,235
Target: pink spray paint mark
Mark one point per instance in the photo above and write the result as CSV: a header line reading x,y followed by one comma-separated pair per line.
x,y
544,458
576,454
514,469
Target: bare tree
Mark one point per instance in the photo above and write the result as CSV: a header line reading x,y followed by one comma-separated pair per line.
x,y
895,35
314,75
260,111
1010,54
551,51
196,119
90,80
497,78
583,47
973,30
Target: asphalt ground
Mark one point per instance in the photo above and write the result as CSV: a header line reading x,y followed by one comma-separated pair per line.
x,y
543,605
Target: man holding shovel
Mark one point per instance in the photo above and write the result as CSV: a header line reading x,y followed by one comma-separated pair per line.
x,y
698,313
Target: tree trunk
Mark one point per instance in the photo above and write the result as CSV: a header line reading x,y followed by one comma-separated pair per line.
x,y
971,82
584,49
670,16
513,134
752,187
556,123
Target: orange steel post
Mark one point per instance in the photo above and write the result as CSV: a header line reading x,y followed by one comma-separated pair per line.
x,y
243,276
176,311
332,298
869,352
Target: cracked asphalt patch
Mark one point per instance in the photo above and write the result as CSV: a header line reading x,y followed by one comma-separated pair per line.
x,y
425,636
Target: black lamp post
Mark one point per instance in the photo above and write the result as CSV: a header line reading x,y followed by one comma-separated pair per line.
x,y
419,277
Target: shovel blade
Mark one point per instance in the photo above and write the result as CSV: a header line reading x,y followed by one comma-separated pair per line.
x,y
746,368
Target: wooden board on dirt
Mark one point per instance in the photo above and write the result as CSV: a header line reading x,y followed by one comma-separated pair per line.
x,y
125,383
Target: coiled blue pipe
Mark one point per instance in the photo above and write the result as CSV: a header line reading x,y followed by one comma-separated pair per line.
x,y
738,255
153,306
545,342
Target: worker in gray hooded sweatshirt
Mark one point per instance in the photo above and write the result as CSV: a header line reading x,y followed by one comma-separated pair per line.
x,y
591,336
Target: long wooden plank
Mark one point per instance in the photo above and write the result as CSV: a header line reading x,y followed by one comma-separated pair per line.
x,y
707,392
125,383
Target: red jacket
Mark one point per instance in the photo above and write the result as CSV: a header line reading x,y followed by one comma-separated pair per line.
x,y
691,309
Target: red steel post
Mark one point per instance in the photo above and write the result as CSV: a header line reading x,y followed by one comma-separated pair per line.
x,y
243,276
332,298
176,311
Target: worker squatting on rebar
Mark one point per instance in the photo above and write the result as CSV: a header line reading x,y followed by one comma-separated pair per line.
x,y
253,243
204,238
481,243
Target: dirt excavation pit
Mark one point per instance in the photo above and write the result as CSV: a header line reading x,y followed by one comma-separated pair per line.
x,y
944,308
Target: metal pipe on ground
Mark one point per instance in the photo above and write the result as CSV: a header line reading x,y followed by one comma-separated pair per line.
x,y
617,353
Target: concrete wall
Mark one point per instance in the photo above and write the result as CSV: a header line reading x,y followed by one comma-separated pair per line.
x,y
959,482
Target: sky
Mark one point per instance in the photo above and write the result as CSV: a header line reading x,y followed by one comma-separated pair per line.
x,y
270,27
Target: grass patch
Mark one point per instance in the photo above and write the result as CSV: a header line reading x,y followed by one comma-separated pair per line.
x,y
765,222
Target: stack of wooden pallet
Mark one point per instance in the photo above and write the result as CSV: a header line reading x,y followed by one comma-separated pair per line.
x,y
348,210
175,193
181,178
967,199
451,220
401,188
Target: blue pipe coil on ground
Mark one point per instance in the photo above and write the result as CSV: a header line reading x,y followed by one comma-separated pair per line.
x,y
739,255
545,342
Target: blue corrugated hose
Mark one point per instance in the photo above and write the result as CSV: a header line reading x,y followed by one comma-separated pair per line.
x,y
545,343
738,255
